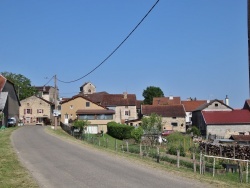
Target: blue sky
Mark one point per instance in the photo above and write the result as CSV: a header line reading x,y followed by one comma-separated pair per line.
x,y
188,48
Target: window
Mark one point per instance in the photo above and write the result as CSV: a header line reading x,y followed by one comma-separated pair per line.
x,y
87,104
174,124
39,111
216,105
71,107
174,117
127,113
27,111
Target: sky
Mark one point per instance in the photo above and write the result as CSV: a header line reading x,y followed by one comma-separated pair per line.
x,y
194,48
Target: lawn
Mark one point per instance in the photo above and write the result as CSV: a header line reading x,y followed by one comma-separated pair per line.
x,y
12,173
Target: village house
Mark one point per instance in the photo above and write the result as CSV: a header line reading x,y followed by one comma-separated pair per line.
x,y
9,101
173,116
81,107
35,110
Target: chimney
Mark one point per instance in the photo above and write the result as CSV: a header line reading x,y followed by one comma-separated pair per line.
x,y
227,101
171,97
125,95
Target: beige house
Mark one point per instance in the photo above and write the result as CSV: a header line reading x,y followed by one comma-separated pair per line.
x,y
81,107
173,116
36,110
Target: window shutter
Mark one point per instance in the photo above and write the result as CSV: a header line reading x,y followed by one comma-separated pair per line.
x,y
24,111
30,111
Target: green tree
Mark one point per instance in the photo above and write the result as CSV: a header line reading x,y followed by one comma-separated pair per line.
x,y
81,124
150,92
22,85
137,134
152,127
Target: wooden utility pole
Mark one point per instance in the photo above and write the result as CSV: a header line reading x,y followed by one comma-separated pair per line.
x,y
55,102
248,26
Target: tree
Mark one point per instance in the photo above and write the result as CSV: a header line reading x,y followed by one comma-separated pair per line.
x,y
150,92
152,127
22,85
137,134
81,124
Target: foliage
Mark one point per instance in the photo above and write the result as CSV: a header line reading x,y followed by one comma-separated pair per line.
x,y
21,83
173,150
119,131
194,130
150,92
81,124
137,133
152,127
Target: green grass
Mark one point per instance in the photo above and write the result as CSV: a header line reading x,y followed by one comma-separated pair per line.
x,y
220,180
12,173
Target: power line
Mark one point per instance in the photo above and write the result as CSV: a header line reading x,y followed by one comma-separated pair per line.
x,y
114,49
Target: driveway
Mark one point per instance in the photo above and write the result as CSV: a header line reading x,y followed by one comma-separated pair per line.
x,y
57,163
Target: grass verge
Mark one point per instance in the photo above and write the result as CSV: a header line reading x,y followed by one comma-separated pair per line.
x,y
12,173
226,180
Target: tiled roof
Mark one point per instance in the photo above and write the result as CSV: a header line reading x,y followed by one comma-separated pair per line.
x,y
166,100
96,97
119,100
82,111
164,110
139,103
2,82
226,117
192,105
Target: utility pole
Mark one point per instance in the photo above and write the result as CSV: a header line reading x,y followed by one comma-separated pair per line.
x,y
55,101
248,26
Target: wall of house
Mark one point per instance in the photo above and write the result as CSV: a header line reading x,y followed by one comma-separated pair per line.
x,y
120,115
169,121
226,130
35,104
72,106
197,120
217,106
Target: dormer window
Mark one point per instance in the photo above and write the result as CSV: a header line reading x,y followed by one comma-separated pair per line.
x,y
87,104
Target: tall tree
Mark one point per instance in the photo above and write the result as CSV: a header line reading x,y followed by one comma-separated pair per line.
x,y
21,83
150,92
152,127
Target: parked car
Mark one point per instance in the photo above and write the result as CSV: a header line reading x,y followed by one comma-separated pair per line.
x,y
11,122
166,132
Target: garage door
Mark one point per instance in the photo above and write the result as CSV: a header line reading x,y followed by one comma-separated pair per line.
x,y
92,129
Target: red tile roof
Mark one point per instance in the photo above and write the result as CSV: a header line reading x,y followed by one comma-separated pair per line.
x,y
164,110
226,117
192,105
240,137
166,100
119,100
2,82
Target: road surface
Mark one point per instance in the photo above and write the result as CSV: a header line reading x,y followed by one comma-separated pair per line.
x,y
54,163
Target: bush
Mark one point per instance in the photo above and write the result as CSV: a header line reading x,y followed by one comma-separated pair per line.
x,y
173,150
136,134
119,131
194,130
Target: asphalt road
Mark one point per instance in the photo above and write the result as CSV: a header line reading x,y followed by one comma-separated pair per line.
x,y
57,163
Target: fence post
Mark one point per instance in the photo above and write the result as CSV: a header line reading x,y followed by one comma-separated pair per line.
x,y
140,150
115,145
247,173
214,167
158,155
178,158
201,163
194,162
127,146
106,142
99,142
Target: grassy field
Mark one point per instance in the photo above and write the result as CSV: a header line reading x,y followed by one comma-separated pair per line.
x,y
107,144
12,173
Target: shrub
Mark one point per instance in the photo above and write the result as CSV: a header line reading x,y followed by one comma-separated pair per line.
x,y
136,134
119,131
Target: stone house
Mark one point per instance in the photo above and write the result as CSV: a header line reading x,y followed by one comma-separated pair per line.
x,y
81,107
213,106
35,110
9,101
173,116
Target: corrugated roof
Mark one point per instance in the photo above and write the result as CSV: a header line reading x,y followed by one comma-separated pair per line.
x,y
226,117
164,110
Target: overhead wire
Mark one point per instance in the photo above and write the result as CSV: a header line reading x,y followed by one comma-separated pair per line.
x,y
114,49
